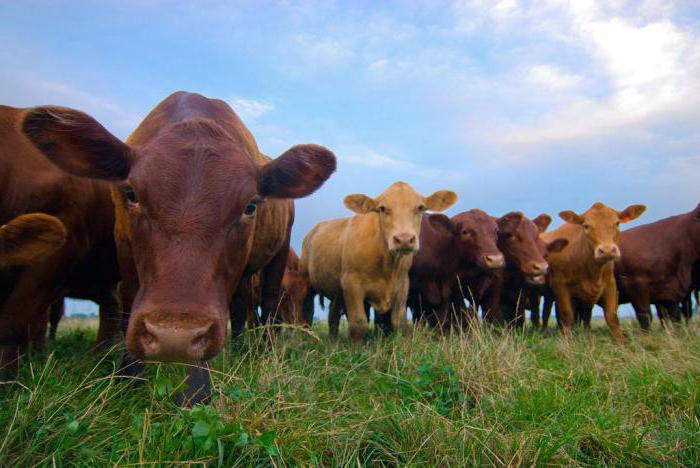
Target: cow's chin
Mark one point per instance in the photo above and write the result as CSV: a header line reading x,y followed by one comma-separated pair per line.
x,y
400,251
603,259
536,280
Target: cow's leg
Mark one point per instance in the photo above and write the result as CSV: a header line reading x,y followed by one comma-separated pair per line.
x,y
240,307
547,304
270,285
492,301
335,311
354,297
674,311
110,314
198,389
584,312
309,307
56,312
642,307
687,308
610,311
399,321
534,304
565,309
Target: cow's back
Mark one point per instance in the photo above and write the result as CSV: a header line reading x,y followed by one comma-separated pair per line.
x,y
322,256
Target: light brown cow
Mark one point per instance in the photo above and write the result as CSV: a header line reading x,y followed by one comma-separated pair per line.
x,y
367,257
29,238
583,271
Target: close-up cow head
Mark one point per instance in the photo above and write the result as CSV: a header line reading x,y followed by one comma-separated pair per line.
x,y
29,238
524,249
476,242
601,228
400,210
186,201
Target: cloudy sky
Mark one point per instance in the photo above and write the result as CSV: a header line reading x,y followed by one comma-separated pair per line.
x,y
537,106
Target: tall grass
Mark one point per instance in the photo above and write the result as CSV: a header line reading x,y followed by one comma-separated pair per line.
x,y
486,398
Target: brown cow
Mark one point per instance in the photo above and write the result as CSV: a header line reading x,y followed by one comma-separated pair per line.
x,y
197,207
295,287
478,278
367,257
657,263
526,266
449,247
29,183
583,271
290,309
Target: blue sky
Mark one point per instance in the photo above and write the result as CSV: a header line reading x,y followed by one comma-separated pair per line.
x,y
537,106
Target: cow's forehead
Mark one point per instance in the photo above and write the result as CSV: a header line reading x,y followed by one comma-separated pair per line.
x,y
400,194
600,213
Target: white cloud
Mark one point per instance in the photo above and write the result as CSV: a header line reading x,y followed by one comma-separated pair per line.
x,y
248,109
362,155
552,77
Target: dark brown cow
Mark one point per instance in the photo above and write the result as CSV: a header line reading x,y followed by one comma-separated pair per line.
x,y
295,287
479,280
657,263
290,309
526,266
29,183
198,208
444,249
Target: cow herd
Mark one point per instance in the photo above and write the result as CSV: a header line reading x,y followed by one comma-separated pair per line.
x,y
186,226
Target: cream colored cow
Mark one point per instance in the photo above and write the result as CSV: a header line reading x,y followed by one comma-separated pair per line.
x,y
367,257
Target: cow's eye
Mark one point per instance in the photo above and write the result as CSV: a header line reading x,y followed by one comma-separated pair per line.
x,y
617,224
129,194
586,227
382,209
250,208
421,208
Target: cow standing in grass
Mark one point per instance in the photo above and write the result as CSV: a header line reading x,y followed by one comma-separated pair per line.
x,y
526,266
366,258
29,184
657,263
582,273
198,211
478,277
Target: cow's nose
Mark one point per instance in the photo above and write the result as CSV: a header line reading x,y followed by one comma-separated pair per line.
x,y
607,252
539,268
494,260
177,342
405,241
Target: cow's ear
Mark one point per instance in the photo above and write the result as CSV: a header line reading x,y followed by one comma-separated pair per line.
x,y
77,143
557,245
631,212
440,200
542,222
29,237
509,222
697,211
571,217
360,203
298,172
442,224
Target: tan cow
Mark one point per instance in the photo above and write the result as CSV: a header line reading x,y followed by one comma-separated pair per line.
x,y
367,257
583,271
29,238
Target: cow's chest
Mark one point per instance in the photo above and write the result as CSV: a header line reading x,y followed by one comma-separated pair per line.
x,y
380,294
589,291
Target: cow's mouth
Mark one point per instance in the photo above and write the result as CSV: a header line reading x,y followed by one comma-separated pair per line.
x,y
537,280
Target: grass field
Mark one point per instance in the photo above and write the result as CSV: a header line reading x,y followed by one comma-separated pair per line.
x,y
483,398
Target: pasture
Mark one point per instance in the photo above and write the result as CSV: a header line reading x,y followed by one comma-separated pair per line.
x,y
486,398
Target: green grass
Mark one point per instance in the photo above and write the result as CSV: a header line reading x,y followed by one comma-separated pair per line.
x,y
485,398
